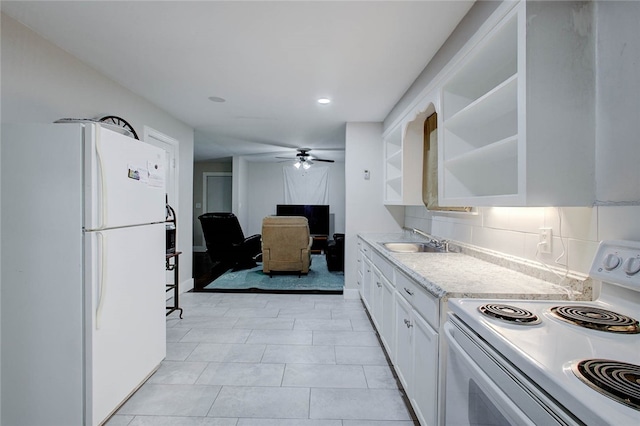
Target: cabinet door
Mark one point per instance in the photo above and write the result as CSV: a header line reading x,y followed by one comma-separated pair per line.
x,y
360,267
388,318
376,290
367,292
404,351
425,371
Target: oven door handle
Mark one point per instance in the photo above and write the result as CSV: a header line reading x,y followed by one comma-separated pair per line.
x,y
499,398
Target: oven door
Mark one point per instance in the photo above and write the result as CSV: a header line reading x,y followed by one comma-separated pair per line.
x,y
471,397
483,389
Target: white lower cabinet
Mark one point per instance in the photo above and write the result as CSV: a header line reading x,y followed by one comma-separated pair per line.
x,y
382,309
416,361
424,394
407,318
377,294
388,317
404,352
367,278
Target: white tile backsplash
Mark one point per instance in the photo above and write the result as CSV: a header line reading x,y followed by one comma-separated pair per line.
x,y
619,222
581,255
579,223
514,231
500,240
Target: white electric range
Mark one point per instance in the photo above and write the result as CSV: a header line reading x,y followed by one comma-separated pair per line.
x,y
516,362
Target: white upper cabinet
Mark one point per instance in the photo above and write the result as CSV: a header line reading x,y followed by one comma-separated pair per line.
x,y
402,162
404,152
517,122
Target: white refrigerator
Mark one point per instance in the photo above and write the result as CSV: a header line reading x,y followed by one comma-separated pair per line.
x,y
83,271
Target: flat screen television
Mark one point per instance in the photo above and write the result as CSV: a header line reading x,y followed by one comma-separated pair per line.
x,y
317,215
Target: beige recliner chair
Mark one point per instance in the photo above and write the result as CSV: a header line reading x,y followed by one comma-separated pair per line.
x,y
286,244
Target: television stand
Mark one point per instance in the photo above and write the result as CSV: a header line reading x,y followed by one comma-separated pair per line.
x,y
319,243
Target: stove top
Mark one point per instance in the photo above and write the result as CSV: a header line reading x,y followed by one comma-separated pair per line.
x,y
617,380
597,319
510,314
559,345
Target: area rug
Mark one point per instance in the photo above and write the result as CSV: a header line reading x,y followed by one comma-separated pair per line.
x,y
319,279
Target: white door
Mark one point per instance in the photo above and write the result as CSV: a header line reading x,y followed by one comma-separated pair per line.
x,y
125,313
217,192
124,180
171,148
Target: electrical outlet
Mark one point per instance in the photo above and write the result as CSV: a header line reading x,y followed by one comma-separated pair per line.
x,y
544,245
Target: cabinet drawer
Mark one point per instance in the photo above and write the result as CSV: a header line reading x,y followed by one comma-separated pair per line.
x,y
424,303
364,248
384,266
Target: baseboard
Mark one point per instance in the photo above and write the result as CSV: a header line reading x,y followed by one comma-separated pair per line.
x,y
186,285
351,293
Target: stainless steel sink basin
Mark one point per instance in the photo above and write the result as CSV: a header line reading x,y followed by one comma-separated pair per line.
x,y
412,248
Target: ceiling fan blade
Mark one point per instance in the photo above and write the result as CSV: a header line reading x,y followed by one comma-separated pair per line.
x,y
287,158
326,161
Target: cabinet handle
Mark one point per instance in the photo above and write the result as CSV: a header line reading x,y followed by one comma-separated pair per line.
x,y
408,323
378,284
409,292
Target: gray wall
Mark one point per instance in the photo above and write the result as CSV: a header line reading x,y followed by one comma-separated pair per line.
x,y
364,208
42,83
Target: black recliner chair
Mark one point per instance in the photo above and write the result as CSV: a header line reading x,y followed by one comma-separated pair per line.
x,y
334,253
226,244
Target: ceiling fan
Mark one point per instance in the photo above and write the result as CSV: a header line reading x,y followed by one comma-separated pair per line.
x,y
304,159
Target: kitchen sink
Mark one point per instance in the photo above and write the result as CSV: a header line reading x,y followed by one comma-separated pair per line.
x,y
413,248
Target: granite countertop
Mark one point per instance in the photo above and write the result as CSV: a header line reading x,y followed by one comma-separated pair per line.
x,y
453,275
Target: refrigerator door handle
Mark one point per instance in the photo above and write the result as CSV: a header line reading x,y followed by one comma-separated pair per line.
x,y
102,279
102,220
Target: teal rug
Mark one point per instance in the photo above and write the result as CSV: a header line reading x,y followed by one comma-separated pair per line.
x,y
319,279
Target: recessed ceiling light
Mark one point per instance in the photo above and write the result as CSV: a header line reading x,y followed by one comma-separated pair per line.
x,y
324,101
216,99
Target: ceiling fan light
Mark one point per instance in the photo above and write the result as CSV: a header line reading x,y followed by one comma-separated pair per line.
x,y
296,164
324,101
306,165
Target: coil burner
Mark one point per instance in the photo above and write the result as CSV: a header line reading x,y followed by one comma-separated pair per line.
x,y
617,380
597,319
509,314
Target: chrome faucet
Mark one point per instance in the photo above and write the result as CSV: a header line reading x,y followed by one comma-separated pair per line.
x,y
417,231
441,244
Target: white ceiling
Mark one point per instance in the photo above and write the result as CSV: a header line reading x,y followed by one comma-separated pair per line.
x,y
270,60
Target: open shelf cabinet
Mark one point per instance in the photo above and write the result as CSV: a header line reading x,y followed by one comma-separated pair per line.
x,y
511,124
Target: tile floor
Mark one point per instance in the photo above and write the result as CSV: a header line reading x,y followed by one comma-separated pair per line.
x,y
255,359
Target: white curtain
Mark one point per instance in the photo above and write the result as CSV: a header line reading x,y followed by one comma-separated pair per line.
x,y
306,186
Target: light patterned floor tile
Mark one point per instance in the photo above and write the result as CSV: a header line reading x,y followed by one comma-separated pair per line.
x,y
300,354
242,374
227,352
262,402
171,400
324,376
358,404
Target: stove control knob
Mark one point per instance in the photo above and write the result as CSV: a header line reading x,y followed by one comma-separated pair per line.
x,y
631,266
611,262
